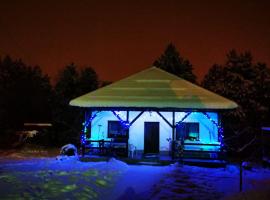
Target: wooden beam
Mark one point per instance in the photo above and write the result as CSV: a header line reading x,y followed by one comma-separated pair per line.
x,y
137,117
164,119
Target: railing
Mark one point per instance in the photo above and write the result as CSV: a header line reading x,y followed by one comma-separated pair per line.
x,y
107,147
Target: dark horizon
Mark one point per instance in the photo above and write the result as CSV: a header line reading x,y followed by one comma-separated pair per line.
x,y
119,38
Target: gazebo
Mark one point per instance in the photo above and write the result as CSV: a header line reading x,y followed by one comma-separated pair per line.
x,y
149,111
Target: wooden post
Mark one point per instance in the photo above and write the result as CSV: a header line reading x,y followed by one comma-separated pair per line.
x,y
173,126
127,116
127,119
90,125
173,135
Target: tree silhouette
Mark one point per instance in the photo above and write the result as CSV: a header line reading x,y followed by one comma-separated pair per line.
x,y
242,81
246,83
71,83
172,62
25,95
88,80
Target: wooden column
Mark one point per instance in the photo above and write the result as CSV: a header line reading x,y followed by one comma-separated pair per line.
x,y
173,126
90,125
173,134
127,116
127,119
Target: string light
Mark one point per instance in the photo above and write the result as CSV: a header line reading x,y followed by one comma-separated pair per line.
x,y
85,127
125,124
83,138
219,127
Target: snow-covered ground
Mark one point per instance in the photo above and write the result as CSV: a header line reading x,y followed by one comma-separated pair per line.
x,y
190,182
49,178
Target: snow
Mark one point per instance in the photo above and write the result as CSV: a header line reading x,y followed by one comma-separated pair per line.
x,y
211,183
138,181
69,149
69,178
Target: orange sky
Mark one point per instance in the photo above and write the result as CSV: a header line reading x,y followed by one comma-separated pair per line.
x,y
120,37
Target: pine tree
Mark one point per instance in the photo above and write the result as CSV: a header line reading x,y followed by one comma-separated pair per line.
x,y
248,84
26,96
71,83
172,62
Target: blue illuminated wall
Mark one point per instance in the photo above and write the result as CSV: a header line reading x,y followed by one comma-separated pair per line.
x,y
208,131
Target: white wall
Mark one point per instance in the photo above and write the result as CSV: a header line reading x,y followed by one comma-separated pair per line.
x,y
136,133
208,131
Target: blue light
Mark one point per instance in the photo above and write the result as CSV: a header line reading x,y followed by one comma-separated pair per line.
x,y
189,116
125,124
88,121
219,127
83,138
85,127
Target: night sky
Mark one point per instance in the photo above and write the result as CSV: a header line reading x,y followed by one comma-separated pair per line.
x,y
120,37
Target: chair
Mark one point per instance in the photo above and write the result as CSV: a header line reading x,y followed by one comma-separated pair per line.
x,y
131,150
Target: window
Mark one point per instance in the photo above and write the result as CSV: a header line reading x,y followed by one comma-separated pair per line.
x,y
188,131
115,130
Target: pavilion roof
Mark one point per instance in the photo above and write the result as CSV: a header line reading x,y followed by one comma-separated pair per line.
x,y
153,88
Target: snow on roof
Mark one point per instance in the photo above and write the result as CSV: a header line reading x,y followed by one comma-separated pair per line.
x,y
38,124
153,88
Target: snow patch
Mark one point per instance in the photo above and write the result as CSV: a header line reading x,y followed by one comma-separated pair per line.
x,y
232,169
67,158
69,150
117,164
117,180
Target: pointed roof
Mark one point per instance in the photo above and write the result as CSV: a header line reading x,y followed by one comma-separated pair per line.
x,y
153,88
